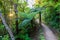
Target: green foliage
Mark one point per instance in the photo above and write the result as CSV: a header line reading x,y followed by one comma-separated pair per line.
x,y
27,18
6,37
23,36
1,26
1,29
0,4
0,37
51,16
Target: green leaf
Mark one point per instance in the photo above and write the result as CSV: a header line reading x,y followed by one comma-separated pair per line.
x,y
28,18
24,23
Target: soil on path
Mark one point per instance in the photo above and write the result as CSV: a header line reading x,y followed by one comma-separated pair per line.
x,y
48,34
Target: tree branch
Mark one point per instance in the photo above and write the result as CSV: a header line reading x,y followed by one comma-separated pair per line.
x,y
7,27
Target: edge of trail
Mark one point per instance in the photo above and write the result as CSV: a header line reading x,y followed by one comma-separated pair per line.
x,y
48,33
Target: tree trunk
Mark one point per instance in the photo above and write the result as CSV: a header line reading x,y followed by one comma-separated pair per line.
x,y
7,27
40,18
16,22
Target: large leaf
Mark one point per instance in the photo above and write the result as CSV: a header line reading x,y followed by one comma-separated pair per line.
x,y
23,15
29,17
24,23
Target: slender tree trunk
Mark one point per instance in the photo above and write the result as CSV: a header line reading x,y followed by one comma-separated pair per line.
x,y
32,22
7,27
16,22
40,18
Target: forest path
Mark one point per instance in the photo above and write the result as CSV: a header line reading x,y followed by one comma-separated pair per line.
x,y
49,35
47,32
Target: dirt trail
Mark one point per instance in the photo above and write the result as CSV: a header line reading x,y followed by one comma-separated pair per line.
x,y
49,35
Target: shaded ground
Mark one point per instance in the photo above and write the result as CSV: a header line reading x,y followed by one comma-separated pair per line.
x,y
48,34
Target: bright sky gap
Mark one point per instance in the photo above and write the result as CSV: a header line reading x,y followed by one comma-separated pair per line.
x,y
30,3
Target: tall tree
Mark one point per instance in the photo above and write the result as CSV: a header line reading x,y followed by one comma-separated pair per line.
x,y
7,27
16,13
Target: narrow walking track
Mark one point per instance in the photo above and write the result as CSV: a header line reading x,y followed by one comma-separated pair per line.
x,y
49,35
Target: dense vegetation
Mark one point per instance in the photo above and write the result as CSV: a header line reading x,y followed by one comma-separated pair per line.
x,y
21,19
51,15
